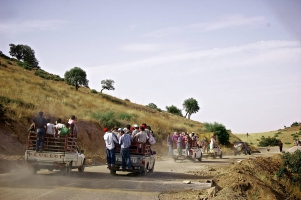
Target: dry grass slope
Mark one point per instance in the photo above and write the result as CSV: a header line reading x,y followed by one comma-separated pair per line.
x,y
24,94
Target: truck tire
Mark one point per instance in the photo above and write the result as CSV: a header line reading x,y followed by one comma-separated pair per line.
x,y
82,167
152,169
34,170
143,172
113,171
221,155
200,159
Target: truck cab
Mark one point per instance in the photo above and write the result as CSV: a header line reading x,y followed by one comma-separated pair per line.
x,y
58,154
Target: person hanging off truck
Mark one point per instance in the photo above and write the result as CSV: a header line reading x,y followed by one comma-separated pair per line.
x,y
40,125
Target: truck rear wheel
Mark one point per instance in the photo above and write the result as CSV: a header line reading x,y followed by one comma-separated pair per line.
x,y
113,171
34,170
152,169
143,172
200,159
82,167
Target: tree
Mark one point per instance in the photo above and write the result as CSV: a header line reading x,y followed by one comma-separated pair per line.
x,y
107,85
152,105
190,106
174,110
76,77
220,130
25,54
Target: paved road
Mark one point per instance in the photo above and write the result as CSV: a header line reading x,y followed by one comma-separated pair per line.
x,y
97,183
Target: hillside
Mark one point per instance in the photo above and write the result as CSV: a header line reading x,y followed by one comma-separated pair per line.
x,y
23,93
286,135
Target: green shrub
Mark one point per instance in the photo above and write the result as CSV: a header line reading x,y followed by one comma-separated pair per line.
x,y
3,65
287,143
159,109
24,65
3,55
5,100
94,91
290,168
295,124
106,119
188,124
277,134
269,141
127,100
126,116
112,99
10,63
220,130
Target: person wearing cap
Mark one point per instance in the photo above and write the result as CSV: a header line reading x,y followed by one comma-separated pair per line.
x,y
40,124
136,130
110,140
125,142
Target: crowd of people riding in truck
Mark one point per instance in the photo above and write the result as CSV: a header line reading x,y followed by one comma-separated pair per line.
x,y
187,140
122,139
45,129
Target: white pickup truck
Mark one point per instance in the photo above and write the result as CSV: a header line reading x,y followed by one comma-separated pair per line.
x,y
58,153
142,159
195,152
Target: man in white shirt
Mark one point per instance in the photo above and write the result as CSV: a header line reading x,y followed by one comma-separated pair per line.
x,y
136,130
141,136
50,128
110,140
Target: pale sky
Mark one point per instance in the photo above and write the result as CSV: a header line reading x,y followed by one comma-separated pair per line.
x,y
241,60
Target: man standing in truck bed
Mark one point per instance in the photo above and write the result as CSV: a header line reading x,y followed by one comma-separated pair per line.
x,y
125,142
40,125
110,140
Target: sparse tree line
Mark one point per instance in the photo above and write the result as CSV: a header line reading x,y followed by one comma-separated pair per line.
x,y
190,106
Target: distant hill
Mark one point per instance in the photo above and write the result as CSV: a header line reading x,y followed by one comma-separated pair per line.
x,y
286,135
24,92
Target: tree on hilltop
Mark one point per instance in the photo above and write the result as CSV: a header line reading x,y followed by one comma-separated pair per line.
x,y
25,54
152,105
190,106
107,84
76,77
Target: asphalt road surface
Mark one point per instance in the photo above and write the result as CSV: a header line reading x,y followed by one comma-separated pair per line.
x,y
97,183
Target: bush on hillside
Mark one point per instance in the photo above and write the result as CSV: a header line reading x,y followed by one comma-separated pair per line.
x,y
174,110
126,116
291,167
93,91
45,75
269,141
220,130
3,55
295,124
107,119
112,99
5,100
127,100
